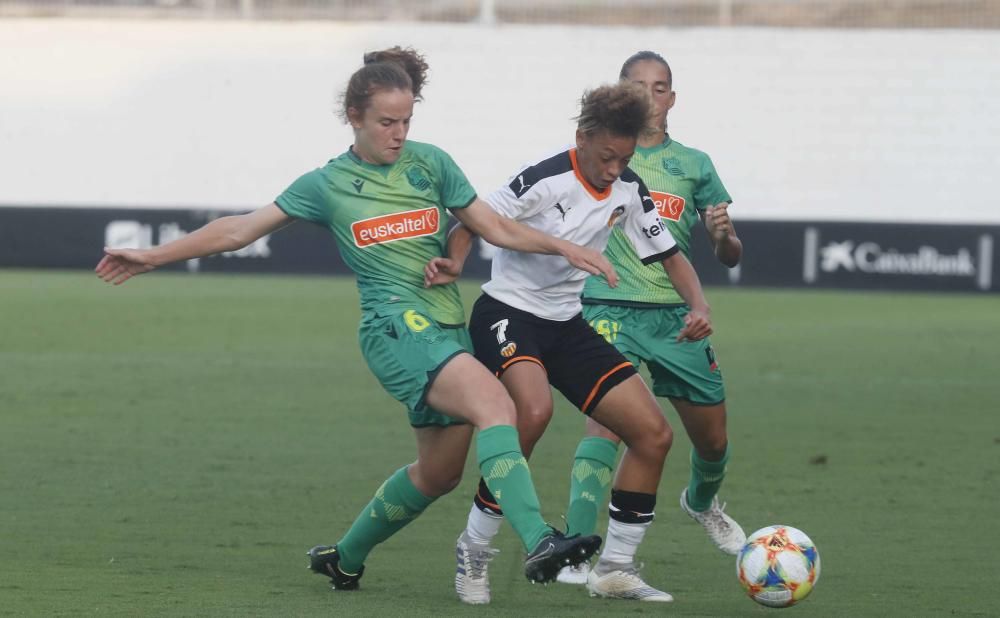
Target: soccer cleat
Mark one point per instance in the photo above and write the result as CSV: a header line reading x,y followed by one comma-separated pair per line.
x,y
622,581
722,529
472,577
324,560
556,551
574,574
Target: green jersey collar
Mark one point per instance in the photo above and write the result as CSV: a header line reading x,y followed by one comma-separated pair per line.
x,y
383,169
657,148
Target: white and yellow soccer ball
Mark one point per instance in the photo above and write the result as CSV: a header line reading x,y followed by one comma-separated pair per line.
x,y
778,566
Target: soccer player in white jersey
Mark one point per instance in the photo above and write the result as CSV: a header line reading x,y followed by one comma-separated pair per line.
x,y
527,327
642,314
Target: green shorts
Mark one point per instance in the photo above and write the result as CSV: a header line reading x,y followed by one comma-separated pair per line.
x,y
406,350
684,370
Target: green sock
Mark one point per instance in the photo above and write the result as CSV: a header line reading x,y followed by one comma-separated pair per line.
x,y
508,478
396,503
588,483
706,477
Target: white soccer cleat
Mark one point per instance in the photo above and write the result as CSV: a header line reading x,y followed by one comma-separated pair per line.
x,y
574,574
622,581
722,529
472,579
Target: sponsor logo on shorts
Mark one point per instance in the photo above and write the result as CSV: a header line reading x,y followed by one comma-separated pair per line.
x,y
508,350
713,365
669,206
395,226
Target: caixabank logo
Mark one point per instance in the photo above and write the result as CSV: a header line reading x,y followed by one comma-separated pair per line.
x,y
966,259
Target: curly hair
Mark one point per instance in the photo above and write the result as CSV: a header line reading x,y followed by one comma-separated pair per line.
x,y
387,69
622,109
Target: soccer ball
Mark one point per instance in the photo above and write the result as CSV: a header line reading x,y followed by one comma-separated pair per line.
x,y
778,566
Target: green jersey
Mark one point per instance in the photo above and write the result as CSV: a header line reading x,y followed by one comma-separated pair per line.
x,y
389,220
682,182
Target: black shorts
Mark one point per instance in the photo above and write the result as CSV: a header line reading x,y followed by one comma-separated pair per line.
x,y
578,361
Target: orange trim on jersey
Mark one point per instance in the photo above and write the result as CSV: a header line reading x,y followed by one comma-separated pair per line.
x,y
593,391
518,359
591,189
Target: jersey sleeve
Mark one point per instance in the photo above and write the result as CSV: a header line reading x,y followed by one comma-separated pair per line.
x,y
519,199
307,199
454,187
709,190
642,225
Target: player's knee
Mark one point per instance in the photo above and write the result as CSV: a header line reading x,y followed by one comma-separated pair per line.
x,y
654,442
495,408
662,440
532,419
713,449
449,483
437,483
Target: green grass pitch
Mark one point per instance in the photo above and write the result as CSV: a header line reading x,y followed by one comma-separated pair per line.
x,y
175,445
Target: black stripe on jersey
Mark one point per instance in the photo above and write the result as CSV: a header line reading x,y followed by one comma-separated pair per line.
x,y
531,175
659,257
647,200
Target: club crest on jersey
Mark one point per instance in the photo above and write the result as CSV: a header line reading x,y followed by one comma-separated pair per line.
x,y
415,176
673,166
669,206
395,226
617,212
508,350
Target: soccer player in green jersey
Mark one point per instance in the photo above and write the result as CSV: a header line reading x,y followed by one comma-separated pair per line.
x,y
644,315
384,201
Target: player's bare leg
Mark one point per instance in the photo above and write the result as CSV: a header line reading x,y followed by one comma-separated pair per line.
x,y
630,411
526,382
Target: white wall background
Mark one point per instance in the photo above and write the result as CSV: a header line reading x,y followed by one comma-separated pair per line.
x,y
807,124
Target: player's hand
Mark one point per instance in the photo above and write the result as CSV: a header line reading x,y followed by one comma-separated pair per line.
x,y
119,265
718,222
697,325
591,261
441,270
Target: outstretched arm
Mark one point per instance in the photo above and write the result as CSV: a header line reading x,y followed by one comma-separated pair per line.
x,y
728,247
698,321
223,234
507,233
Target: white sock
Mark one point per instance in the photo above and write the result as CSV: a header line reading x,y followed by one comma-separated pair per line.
x,y
482,527
623,541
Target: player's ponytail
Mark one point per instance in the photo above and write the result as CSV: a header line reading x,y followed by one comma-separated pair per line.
x,y
387,69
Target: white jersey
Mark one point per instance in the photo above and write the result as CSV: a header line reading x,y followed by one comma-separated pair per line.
x,y
552,196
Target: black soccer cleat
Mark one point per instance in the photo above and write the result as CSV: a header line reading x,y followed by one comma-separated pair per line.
x,y
324,560
557,551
